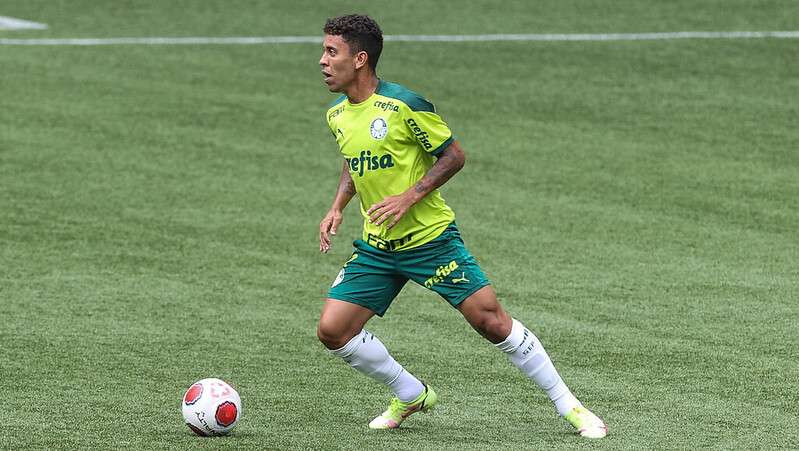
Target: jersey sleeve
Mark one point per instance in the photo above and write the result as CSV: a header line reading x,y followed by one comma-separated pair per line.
x,y
427,127
330,125
334,110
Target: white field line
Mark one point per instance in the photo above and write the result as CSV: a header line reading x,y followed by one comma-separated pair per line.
x,y
412,38
12,23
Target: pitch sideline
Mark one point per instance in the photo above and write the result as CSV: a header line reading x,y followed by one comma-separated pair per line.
x,y
408,38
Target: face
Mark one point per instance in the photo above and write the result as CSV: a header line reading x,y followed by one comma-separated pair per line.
x,y
338,64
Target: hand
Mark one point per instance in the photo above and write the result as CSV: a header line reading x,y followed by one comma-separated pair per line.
x,y
328,227
391,206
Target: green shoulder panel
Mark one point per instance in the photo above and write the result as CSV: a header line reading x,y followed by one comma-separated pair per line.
x,y
396,91
340,99
333,110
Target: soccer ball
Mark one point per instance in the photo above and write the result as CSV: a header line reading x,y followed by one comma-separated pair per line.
x,y
211,407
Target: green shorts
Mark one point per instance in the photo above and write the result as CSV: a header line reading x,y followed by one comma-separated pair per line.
x,y
372,277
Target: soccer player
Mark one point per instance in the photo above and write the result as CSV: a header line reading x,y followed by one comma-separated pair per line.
x,y
397,152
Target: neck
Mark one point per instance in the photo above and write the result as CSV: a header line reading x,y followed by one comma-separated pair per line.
x,y
363,87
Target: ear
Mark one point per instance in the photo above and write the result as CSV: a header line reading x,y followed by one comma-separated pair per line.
x,y
361,59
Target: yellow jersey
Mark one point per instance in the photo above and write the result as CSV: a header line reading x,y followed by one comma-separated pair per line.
x,y
389,142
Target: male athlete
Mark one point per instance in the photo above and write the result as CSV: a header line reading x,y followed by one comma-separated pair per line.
x,y
397,151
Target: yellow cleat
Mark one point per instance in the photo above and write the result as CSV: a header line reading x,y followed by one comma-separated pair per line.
x,y
398,411
587,424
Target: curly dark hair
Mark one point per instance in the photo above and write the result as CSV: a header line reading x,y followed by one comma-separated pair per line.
x,y
361,32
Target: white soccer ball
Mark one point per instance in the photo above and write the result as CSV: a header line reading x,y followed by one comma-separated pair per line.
x,y
211,407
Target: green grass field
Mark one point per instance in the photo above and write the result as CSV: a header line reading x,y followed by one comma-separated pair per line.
x,y
634,203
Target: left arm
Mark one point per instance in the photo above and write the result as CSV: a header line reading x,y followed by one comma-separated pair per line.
x,y
449,162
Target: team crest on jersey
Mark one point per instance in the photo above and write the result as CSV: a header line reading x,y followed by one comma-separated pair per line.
x,y
379,128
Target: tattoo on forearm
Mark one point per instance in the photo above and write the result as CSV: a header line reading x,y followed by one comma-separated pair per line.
x,y
345,184
348,186
444,168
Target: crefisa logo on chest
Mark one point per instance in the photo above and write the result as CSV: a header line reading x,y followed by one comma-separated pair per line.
x,y
379,128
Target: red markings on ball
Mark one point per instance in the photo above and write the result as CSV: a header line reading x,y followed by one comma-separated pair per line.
x,y
219,385
193,394
226,413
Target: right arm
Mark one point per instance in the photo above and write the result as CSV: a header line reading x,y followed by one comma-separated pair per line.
x,y
346,191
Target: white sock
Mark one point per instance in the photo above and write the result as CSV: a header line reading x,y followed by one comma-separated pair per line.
x,y
527,353
367,354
